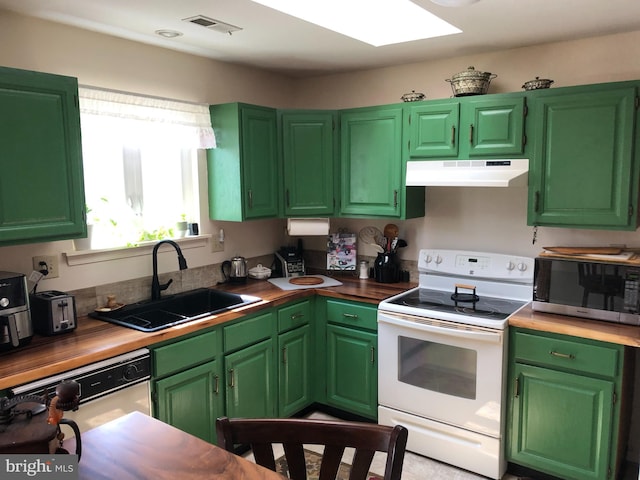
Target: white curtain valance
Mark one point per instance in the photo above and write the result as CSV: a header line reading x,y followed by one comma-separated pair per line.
x,y
193,120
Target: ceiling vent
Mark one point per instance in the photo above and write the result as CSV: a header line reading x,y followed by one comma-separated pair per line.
x,y
212,24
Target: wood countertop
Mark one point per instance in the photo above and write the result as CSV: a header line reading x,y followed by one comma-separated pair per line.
x,y
96,340
136,446
578,327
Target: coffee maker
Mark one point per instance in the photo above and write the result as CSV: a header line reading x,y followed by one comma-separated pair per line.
x,y
16,328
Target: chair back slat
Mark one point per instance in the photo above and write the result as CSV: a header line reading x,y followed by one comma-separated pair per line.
x,y
263,453
364,438
331,458
294,455
361,464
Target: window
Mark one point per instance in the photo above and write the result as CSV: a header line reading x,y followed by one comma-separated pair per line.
x,y
140,165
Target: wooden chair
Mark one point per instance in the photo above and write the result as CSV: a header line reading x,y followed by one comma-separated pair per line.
x,y
365,438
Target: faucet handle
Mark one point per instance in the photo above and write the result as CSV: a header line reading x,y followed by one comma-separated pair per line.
x,y
164,286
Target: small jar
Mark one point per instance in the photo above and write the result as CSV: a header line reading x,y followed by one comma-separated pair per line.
x,y
364,270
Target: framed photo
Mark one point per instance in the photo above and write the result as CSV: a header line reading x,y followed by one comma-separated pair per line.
x,y
341,251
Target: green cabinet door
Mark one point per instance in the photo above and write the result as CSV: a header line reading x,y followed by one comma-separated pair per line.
x,y
434,128
308,155
243,169
583,173
493,126
352,377
294,376
490,127
251,387
191,400
42,184
371,158
561,423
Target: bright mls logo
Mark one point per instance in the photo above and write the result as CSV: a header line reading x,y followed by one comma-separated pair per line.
x,y
50,467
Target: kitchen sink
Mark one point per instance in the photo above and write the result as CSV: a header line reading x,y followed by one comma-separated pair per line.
x,y
149,316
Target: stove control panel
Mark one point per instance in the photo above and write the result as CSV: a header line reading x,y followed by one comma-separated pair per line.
x,y
476,264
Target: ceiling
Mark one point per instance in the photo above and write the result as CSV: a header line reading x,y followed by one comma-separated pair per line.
x,y
278,42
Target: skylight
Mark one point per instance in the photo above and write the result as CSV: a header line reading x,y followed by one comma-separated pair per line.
x,y
376,22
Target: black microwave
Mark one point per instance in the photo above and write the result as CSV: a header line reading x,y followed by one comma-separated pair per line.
x,y
590,289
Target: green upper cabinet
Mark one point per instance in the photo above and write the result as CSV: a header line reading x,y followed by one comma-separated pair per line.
x,y
243,169
373,165
583,173
470,127
42,185
308,155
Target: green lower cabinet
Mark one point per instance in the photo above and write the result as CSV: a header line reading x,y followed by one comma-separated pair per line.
x,y
567,405
191,400
294,371
562,423
352,376
251,386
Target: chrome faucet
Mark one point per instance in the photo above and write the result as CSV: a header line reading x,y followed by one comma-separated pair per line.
x,y
156,288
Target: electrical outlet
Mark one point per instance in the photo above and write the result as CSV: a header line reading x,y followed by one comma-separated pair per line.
x,y
46,262
216,244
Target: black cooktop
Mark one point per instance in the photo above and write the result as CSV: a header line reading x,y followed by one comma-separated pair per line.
x,y
462,304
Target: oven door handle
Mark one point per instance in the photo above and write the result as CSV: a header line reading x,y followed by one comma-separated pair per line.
x,y
442,327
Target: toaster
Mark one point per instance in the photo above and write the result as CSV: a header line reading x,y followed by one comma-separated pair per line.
x,y
53,312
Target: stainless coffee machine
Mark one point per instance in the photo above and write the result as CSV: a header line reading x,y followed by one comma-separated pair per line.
x,y
16,328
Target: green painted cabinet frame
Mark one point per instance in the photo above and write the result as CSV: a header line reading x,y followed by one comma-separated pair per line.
x,y
187,384
472,127
373,165
243,171
584,169
42,183
351,357
309,154
565,403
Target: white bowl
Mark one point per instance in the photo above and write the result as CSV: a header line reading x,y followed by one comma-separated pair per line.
x,y
259,272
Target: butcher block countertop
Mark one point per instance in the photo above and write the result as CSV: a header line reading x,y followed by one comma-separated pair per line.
x,y
578,327
95,340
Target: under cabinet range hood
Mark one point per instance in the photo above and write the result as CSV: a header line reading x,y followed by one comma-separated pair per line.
x,y
468,173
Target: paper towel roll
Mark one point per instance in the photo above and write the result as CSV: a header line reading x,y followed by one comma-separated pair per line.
x,y
297,227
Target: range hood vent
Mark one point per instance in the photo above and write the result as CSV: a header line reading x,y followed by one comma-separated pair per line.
x,y
212,24
468,173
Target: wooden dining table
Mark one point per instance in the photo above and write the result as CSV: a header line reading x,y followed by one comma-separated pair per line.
x,y
137,446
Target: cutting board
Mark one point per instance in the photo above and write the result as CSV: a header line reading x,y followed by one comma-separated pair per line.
x,y
285,284
607,254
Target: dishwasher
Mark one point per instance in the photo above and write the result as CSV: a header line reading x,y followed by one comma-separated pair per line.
x,y
108,389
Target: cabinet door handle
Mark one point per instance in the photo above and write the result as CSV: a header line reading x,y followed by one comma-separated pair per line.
x,y
250,198
516,388
536,202
373,355
453,135
232,379
350,315
395,199
216,385
295,316
569,356
471,134
284,355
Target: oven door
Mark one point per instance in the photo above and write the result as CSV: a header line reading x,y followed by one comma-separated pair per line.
x,y
443,371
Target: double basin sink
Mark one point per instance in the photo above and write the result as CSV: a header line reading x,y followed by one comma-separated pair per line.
x,y
152,315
